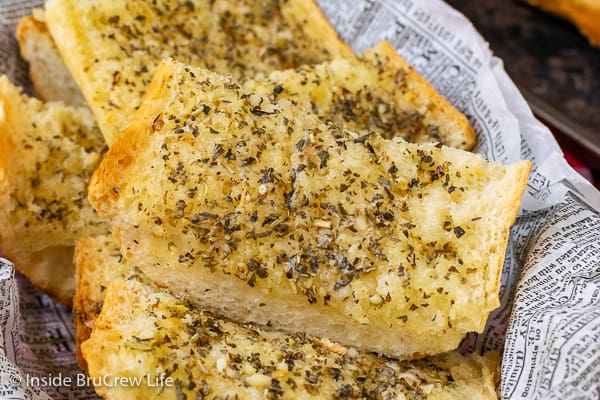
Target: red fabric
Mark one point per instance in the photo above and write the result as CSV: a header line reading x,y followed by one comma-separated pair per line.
x,y
581,168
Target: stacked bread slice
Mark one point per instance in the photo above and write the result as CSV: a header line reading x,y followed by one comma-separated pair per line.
x,y
48,152
280,208
178,349
48,263
51,79
260,211
356,86
112,48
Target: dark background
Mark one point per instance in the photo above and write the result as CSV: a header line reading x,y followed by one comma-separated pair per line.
x,y
554,66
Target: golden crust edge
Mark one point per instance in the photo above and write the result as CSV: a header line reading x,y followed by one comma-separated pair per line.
x,y
28,25
426,90
105,182
83,310
60,22
319,28
88,349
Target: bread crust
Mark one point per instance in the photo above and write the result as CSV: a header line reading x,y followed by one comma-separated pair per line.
x,y
98,262
451,118
120,156
584,14
85,308
312,22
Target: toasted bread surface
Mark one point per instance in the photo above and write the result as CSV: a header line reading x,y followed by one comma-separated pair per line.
x,y
259,210
145,333
378,92
47,155
112,49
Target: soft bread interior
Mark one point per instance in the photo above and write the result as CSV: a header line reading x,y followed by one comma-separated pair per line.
x,y
51,79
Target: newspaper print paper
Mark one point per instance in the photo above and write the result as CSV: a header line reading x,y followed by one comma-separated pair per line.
x,y
548,325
